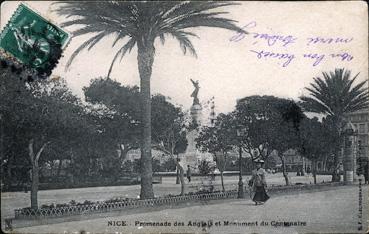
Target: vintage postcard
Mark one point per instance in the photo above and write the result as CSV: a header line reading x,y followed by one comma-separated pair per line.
x,y
184,117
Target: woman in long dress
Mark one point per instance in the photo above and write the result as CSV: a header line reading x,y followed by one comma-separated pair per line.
x,y
258,184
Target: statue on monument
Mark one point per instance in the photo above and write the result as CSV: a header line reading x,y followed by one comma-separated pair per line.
x,y
195,93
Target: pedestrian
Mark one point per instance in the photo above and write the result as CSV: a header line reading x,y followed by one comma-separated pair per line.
x,y
188,173
308,171
258,184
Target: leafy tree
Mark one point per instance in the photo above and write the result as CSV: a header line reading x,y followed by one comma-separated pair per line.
x,y
169,132
335,95
271,124
120,124
13,94
38,115
142,23
218,140
317,141
71,142
168,125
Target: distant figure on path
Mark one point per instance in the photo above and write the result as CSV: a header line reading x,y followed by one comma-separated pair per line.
x,y
188,173
308,171
258,184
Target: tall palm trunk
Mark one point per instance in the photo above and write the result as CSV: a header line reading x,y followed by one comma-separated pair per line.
x,y
145,59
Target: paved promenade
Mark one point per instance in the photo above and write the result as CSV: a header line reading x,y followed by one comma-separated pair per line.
x,y
16,200
331,211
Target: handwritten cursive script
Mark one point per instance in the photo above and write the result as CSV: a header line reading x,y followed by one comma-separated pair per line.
x,y
281,42
321,40
271,39
268,54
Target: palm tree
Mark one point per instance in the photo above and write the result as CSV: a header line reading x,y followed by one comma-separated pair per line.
x,y
141,23
335,95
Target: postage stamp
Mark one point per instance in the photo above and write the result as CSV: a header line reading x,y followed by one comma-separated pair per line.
x,y
32,39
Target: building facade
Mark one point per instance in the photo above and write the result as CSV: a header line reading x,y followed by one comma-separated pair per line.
x,y
295,162
360,121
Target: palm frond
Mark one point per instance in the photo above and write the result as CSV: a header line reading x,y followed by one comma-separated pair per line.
x,y
360,102
204,21
192,8
143,21
184,42
122,51
313,105
335,94
90,42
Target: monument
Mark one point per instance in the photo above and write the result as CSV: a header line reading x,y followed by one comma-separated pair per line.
x,y
196,109
192,156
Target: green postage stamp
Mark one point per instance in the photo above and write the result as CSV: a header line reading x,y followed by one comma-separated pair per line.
x,y
31,39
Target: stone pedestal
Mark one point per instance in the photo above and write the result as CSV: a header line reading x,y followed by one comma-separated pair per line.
x,y
196,113
192,156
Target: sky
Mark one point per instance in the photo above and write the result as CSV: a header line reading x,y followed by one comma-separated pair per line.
x,y
288,44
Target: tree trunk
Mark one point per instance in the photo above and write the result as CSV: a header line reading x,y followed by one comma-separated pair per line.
x,y
34,187
314,170
177,170
145,59
71,166
123,154
59,168
338,156
335,174
8,182
284,170
181,176
35,171
221,178
177,176
324,162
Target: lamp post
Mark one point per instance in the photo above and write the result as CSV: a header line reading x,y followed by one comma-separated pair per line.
x,y
240,134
